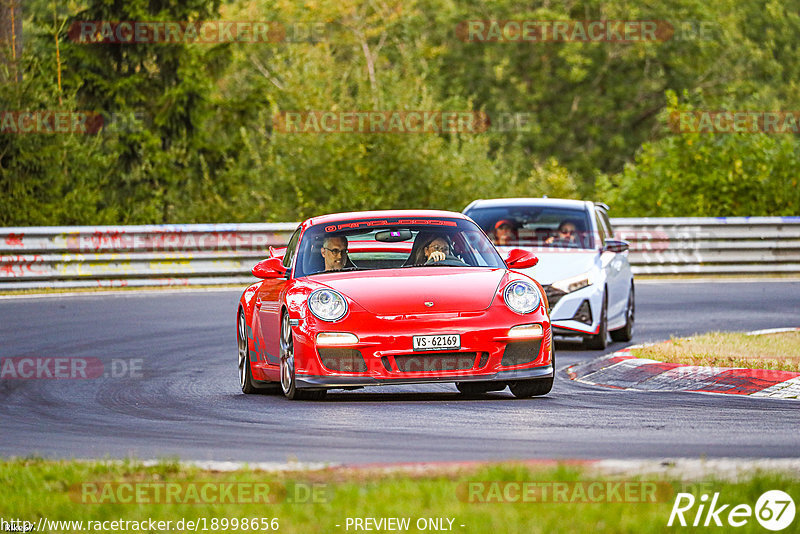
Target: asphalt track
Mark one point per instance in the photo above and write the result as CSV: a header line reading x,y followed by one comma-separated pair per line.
x,y
187,402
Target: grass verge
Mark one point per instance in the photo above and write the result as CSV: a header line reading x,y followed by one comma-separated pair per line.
x,y
319,501
779,351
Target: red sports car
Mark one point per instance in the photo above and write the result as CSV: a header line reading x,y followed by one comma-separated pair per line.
x,y
393,297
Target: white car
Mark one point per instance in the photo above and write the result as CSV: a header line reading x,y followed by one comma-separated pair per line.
x,y
585,272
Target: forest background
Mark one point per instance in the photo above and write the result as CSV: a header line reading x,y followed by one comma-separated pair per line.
x,y
190,131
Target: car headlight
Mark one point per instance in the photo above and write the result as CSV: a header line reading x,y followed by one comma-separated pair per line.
x,y
522,297
327,304
574,283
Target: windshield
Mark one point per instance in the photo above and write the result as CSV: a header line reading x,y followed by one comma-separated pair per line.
x,y
394,243
541,227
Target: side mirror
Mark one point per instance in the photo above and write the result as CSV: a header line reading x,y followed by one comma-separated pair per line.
x,y
613,245
269,268
276,252
521,259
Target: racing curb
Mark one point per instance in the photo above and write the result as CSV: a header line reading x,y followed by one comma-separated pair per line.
x,y
621,370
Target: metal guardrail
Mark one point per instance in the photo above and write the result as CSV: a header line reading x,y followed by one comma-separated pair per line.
x,y
207,254
120,256
712,246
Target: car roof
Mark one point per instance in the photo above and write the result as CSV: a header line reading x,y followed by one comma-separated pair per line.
x,y
509,202
339,217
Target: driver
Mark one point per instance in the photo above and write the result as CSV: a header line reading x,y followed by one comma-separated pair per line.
x,y
437,250
431,248
567,234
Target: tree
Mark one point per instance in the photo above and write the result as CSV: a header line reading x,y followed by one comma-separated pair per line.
x,y
10,40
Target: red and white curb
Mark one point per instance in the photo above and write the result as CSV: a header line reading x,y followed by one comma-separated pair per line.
x,y
621,370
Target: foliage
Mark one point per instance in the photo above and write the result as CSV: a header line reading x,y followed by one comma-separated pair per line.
x,y
191,135
708,174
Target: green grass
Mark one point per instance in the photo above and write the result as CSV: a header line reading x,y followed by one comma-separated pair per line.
x,y
779,351
37,488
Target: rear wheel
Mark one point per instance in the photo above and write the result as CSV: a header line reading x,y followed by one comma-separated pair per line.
x,y
288,380
246,380
599,341
536,386
245,374
626,332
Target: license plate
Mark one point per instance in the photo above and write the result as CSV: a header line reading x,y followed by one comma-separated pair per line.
x,y
437,342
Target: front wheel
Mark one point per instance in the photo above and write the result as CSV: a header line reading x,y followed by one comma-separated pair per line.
x,y
599,341
537,386
626,332
288,380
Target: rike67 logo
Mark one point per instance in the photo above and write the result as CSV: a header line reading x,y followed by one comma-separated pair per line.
x,y
774,510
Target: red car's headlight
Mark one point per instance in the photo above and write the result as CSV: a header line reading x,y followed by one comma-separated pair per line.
x,y
327,304
521,297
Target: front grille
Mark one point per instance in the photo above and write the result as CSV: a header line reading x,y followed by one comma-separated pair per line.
x,y
439,361
343,360
553,295
520,352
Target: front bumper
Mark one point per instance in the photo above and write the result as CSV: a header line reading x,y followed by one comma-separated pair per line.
x,y
384,353
312,381
563,312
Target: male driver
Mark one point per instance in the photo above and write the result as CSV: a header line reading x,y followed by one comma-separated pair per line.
x,y
334,251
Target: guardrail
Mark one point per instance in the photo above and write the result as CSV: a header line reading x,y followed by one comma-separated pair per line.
x,y
208,254
712,246
120,256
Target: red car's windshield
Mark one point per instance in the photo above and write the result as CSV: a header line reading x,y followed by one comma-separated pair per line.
x,y
394,243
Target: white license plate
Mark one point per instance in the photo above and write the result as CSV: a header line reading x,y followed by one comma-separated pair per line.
x,y
437,342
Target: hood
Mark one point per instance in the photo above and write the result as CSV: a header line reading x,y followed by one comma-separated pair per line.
x,y
554,266
405,291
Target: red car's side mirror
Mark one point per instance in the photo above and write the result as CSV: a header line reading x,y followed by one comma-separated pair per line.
x,y
521,259
277,252
269,268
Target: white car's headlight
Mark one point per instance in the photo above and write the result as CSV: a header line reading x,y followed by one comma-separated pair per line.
x,y
327,304
521,297
574,283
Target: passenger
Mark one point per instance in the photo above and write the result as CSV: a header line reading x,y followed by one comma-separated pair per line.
x,y
505,233
334,250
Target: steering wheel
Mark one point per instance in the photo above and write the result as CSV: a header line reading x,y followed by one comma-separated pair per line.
x,y
449,262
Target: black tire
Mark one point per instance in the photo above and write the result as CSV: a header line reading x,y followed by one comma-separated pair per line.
x,y
535,387
599,341
626,332
249,384
245,374
476,389
288,380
